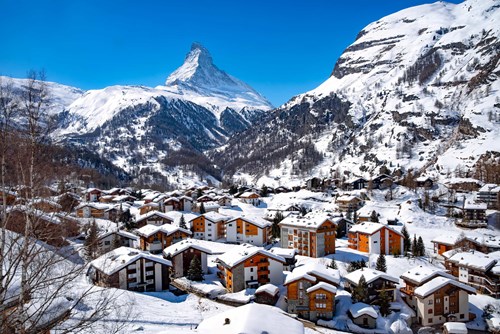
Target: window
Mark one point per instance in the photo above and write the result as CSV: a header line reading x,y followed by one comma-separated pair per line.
x,y
251,270
430,320
375,242
301,285
429,302
107,243
320,305
462,316
321,296
438,301
301,294
430,311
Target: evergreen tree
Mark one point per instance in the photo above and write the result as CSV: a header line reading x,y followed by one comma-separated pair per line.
x,y
374,217
384,302
381,264
414,246
420,247
332,264
233,189
360,292
195,272
406,239
199,193
362,263
202,208
275,228
117,242
91,241
126,219
264,192
182,222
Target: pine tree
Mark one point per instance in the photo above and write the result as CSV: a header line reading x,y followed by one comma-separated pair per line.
x,y
332,264
126,219
374,217
381,264
182,222
414,246
275,228
384,302
420,247
117,242
360,292
264,192
91,241
406,239
202,208
195,272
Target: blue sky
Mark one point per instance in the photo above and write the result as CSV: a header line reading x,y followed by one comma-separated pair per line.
x,y
281,48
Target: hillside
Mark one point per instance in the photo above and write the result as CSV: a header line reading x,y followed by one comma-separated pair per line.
x,y
417,89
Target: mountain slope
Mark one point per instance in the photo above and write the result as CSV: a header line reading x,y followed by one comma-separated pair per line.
x,y
422,88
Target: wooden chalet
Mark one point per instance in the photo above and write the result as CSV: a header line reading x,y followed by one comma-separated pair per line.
x,y
182,253
155,239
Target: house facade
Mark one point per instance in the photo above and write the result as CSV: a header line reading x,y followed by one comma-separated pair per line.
x,y
209,226
376,281
156,218
311,235
248,229
130,269
182,253
155,239
375,238
247,266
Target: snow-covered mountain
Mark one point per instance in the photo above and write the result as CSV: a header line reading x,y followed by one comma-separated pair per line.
x,y
417,89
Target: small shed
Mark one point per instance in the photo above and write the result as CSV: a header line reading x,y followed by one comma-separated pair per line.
x,y
267,294
363,315
454,328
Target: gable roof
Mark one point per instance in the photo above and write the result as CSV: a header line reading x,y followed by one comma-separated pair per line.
x,y
149,230
254,220
310,270
370,275
422,273
151,214
371,228
183,245
360,309
268,288
121,257
313,220
475,259
242,252
324,286
438,283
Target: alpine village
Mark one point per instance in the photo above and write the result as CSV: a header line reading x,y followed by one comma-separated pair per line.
x,y
370,204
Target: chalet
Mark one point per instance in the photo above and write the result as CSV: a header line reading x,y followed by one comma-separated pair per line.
x,y
455,328
106,198
375,238
251,319
424,182
441,300
479,270
123,199
314,184
148,207
311,235
45,205
182,253
155,239
246,229
247,266
171,204
68,201
363,315
93,195
489,194
130,269
10,197
376,281
186,203
267,294
224,200
288,254
153,218
209,226
343,226
463,185
349,203
382,181
417,277
47,227
311,291
208,206
150,195
114,239
356,184
474,214
205,198
250,198
281,189
92,210
484,243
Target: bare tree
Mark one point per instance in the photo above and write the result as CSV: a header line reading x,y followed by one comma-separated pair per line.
x,y
42,277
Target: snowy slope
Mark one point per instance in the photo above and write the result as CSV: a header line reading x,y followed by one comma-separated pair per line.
x,y
417,89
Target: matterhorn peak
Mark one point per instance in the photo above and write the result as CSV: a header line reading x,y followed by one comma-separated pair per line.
x,y
199,75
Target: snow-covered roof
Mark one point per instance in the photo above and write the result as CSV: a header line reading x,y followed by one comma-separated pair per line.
x,y
210,205
251,319
152,214
455,327
46,201
242,252
254,220
249,194
148,230
310,270
475,259
324,286
313,220
286,253
470,204
183,245
438,283
360,309
122,233
97,206
174,199
370,276
347,198
268,288
121,257
490,187
216,217
445,239
370,228
423,273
